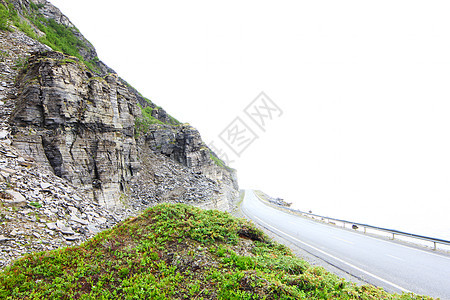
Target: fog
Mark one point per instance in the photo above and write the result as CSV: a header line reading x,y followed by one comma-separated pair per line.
x,y
362,130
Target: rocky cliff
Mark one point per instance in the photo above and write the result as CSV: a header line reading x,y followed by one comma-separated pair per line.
x,y
76,124
83,128
75,119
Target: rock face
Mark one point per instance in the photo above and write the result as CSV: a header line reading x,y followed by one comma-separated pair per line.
x,y
73,160
83,128
181,143
40,211
78,125
81,125
164,180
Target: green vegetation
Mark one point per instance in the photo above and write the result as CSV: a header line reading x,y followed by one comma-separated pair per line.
x,y
217,160
20,63
62,38
57,36
147,112
66,61
177,251
11,17
66,40
36,6
143,124
4,17
173,120
3,55
36,204
8,15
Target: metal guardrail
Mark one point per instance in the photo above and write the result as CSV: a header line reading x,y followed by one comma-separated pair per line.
x,y
365,226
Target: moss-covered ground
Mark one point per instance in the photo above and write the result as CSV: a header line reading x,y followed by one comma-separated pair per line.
x,y
177,252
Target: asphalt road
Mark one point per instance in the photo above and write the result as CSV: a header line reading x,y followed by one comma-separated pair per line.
x,y
392,266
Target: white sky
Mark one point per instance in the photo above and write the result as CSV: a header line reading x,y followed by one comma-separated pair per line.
x,y
364,87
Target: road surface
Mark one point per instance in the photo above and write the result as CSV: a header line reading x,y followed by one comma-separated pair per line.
x,y
392,266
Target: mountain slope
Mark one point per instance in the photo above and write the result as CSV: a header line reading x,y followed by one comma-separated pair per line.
x,y
76,117
66,112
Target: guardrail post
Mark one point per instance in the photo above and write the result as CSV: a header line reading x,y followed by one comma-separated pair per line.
x,y
393,234
434,245
364,229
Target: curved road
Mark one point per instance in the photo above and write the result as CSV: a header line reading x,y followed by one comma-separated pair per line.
x,y
392,266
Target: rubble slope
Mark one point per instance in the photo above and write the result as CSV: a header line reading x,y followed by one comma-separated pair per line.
x,y
80,149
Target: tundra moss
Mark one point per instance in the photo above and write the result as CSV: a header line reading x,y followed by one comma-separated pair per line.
x,y
216,160
182,252
142,125
57,36
36,6
4,18
60,37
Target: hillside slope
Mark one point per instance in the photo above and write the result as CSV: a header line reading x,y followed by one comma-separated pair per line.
x,y
64,112
179,252
77,117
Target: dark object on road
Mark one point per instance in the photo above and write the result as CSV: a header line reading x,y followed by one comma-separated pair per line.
x,y
354,226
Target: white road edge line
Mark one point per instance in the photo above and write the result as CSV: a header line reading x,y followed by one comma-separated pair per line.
x,y
338,259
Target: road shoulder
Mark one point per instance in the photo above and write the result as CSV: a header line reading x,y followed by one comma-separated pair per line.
x,y
302,253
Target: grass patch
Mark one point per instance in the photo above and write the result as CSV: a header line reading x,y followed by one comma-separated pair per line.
x,y
173,121
63,39
66,40
177,251
216,160
36,6
147,112
4,18
142,125
36,204
57,36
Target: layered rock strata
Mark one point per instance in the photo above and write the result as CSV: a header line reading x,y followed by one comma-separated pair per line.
x,y
78,125
83,128
40,211
72,160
